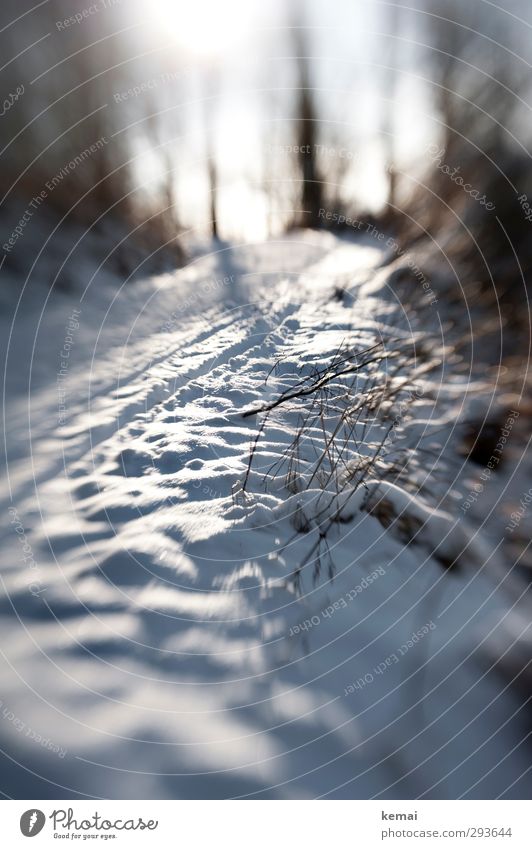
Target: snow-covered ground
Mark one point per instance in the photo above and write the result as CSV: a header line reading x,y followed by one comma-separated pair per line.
x,y
167,628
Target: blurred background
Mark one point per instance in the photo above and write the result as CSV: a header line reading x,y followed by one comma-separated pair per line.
x,y
242,119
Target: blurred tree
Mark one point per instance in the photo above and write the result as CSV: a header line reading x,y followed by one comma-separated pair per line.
x,y
390,86
306,133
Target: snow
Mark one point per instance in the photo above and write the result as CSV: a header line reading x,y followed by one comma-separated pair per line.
x,y
165,629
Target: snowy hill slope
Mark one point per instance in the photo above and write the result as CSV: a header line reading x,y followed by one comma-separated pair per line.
x,y
172,632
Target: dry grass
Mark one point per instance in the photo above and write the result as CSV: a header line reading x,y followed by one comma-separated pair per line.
x,y
349,424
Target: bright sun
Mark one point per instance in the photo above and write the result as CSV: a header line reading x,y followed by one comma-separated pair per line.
x,y
203,27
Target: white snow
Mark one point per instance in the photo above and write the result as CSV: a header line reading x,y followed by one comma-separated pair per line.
x,y
159,636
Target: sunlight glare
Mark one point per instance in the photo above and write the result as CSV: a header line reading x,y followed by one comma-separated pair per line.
x,y
205,28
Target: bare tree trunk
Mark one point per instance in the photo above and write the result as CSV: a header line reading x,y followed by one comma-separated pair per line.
x,y
213,188
306,133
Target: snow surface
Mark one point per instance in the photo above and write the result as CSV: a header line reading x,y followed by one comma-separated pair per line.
x,y
156,641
